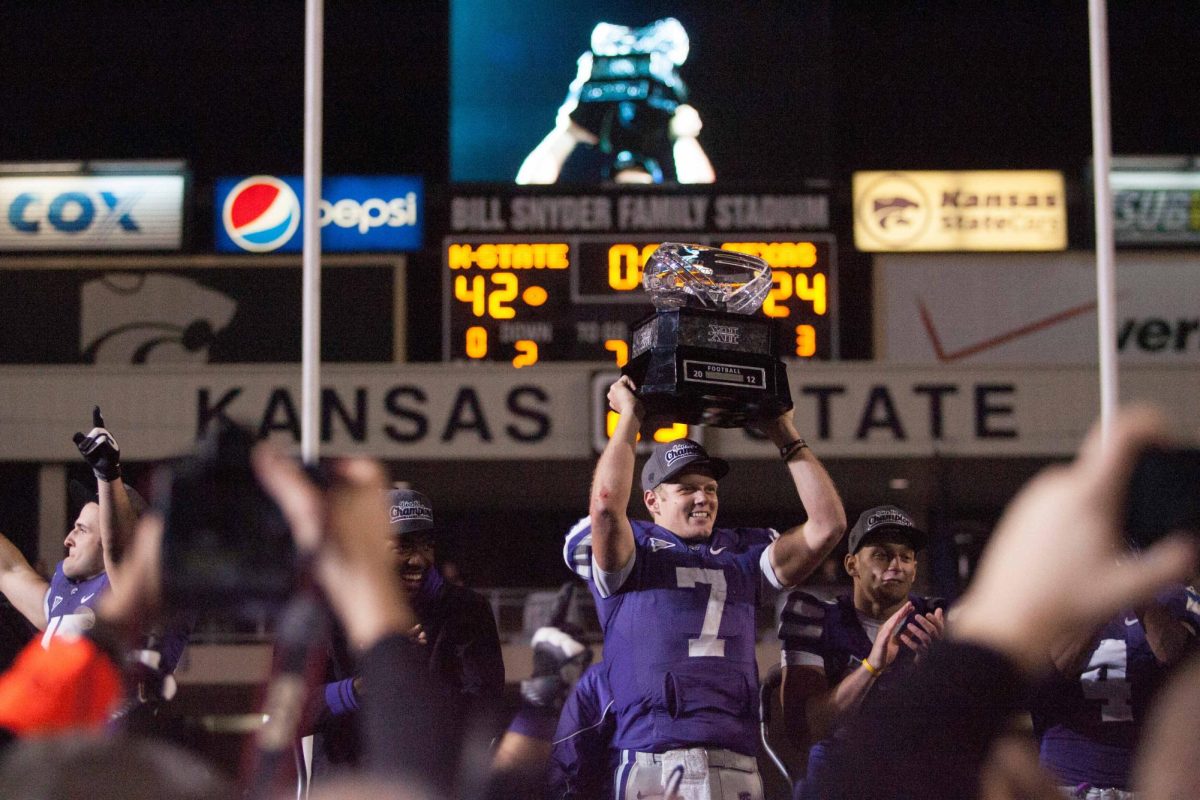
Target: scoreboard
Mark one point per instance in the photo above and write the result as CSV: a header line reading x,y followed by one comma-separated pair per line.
x,y
574,297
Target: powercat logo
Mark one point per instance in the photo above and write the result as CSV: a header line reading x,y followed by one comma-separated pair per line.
x,y
893,210
149,317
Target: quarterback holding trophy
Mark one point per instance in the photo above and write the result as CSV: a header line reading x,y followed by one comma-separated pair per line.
x,y
677,595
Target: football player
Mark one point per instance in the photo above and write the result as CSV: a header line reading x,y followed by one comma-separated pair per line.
x,y
836,652
456,627
64,604
1088,715
677,598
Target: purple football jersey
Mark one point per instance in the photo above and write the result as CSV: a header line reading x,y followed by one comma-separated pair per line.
x,y
679,636
829,635
1088,724
582,761
69,604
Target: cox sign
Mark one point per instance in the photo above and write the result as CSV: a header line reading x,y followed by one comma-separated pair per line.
x,y
91,212
262,213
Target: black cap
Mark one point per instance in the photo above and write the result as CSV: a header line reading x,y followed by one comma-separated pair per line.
x,y
682,455
882,518
409,511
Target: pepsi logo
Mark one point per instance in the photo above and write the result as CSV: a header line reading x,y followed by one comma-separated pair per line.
x,y
261,213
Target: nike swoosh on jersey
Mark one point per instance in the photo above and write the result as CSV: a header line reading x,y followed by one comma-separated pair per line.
x,y
1131,621
716,551
85,598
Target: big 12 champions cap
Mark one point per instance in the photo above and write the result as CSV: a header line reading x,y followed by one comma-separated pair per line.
x,y
673,458
409,511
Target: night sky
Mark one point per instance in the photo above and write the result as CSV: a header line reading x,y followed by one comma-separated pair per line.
x,y
929,84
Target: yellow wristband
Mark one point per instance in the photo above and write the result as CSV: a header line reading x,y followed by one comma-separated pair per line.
x,y
870,668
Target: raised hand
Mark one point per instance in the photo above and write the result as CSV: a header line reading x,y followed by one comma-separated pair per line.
x,y
621,397
887,641
100,449
559,657
921,631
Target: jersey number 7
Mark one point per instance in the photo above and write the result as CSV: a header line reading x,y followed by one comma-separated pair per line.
x,y
708,644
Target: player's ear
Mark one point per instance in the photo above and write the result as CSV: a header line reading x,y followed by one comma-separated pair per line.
x,y
851,565
650,498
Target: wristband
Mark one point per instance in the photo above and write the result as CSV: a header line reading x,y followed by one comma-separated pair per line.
x,y
791,448
871,668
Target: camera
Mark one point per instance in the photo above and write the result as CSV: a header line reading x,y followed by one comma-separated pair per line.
x,y
1163,495
226,546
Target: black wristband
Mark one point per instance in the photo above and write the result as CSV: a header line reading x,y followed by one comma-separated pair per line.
x,y
791,448
108,474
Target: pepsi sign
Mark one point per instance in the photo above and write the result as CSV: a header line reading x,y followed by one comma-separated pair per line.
x,y
91,212
262,214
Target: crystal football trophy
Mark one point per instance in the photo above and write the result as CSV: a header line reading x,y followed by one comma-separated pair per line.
x,y
706,356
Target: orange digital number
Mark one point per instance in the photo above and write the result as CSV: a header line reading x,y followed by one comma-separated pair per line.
x,y
474,290
620,350
669,434
806,341
625,263
781,291
812,288
476,342
678,430
506,293
527,353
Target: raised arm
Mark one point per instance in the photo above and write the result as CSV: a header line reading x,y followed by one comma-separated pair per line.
x,y
100,450
812,708
802,548
545,162
21,584
691,162
612,535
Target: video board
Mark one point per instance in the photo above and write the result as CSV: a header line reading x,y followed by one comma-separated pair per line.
x,y
624,90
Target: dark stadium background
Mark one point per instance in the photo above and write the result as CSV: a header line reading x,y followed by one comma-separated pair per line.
x,y
914,85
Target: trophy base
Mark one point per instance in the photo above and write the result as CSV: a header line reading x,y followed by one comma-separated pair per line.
x,y
707,368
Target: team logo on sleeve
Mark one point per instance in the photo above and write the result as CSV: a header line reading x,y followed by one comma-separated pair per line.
x,y
577,549
659,544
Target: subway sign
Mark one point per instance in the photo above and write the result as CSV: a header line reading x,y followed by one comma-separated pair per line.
x,y
91,212
1156,206
263,213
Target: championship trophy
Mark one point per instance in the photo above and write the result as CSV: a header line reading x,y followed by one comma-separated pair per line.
x,y
705,356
